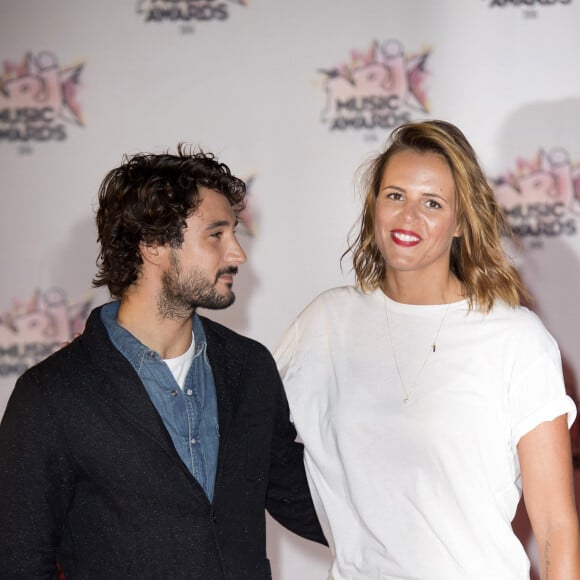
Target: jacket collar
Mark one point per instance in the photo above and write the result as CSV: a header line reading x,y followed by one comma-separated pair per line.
x,y
226,365
120,387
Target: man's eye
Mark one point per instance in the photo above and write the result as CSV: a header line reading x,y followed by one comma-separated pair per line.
x,y
217,235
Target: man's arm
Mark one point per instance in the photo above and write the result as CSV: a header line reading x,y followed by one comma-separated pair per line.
x,y
35,482
289,500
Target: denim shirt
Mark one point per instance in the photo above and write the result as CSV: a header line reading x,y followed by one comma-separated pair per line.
x,y
189,415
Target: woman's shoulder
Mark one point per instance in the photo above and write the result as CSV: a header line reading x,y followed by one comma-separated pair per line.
x,y
515,314
343,298
345,294
522,321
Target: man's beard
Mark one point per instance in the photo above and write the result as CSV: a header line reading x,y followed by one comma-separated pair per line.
x,y
181,295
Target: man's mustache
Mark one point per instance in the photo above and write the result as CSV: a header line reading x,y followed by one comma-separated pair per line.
x,y
229,270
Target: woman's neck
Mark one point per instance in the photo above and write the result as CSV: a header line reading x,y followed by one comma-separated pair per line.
x,y
412,288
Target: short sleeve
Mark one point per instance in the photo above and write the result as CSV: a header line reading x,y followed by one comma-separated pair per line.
x,y
284,352
537,391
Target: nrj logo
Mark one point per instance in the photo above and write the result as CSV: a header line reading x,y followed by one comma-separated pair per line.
x,y
542,197
379,89
185,10
32,330
38,98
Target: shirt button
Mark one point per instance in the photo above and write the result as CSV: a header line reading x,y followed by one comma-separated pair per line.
x,y
174,392
189,392
193,440
151,354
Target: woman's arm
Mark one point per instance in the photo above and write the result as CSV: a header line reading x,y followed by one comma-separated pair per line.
x,y
548,488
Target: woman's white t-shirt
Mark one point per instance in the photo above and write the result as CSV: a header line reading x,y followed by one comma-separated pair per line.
x,y
427,489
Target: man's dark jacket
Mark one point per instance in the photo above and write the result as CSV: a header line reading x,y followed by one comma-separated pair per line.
x,y
89,475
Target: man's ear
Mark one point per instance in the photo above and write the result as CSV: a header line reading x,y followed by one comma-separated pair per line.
x,y
150,252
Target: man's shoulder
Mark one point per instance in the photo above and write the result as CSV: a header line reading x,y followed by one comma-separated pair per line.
x,y
75,357
54,378
220,335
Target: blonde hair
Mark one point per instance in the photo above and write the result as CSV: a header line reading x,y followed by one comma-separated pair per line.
x,y
477,258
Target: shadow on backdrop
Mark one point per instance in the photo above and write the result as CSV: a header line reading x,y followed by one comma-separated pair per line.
x,y
548,257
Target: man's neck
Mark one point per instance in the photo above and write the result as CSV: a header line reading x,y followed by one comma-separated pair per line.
x,y
168,337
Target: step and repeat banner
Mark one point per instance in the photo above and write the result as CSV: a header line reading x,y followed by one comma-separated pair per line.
x,y
294,95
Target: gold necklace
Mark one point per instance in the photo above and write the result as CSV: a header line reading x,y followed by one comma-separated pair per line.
x,y
432,349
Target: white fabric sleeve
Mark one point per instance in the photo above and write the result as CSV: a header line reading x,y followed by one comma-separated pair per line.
x,y
284,352
537,391
284,355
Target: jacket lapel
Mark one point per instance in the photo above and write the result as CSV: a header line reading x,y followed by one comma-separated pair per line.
x,y
226,367
121,389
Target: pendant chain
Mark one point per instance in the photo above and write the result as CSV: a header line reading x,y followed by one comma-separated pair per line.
x,y
409,391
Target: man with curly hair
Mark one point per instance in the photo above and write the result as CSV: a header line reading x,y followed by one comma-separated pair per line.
x,y
151,445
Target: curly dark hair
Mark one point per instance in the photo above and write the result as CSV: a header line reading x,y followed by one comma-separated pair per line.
x,y
147,199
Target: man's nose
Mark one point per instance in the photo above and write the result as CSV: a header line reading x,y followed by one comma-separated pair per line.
x,y
236,254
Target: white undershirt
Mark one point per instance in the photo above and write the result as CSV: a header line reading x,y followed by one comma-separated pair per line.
x,y
180,365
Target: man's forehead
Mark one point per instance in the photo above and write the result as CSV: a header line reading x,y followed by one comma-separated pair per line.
x,y
207,193
214,208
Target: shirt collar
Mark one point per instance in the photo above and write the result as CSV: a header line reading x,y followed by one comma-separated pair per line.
x,y
132,348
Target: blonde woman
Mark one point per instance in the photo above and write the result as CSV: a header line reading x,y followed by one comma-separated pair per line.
x,y
426,396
